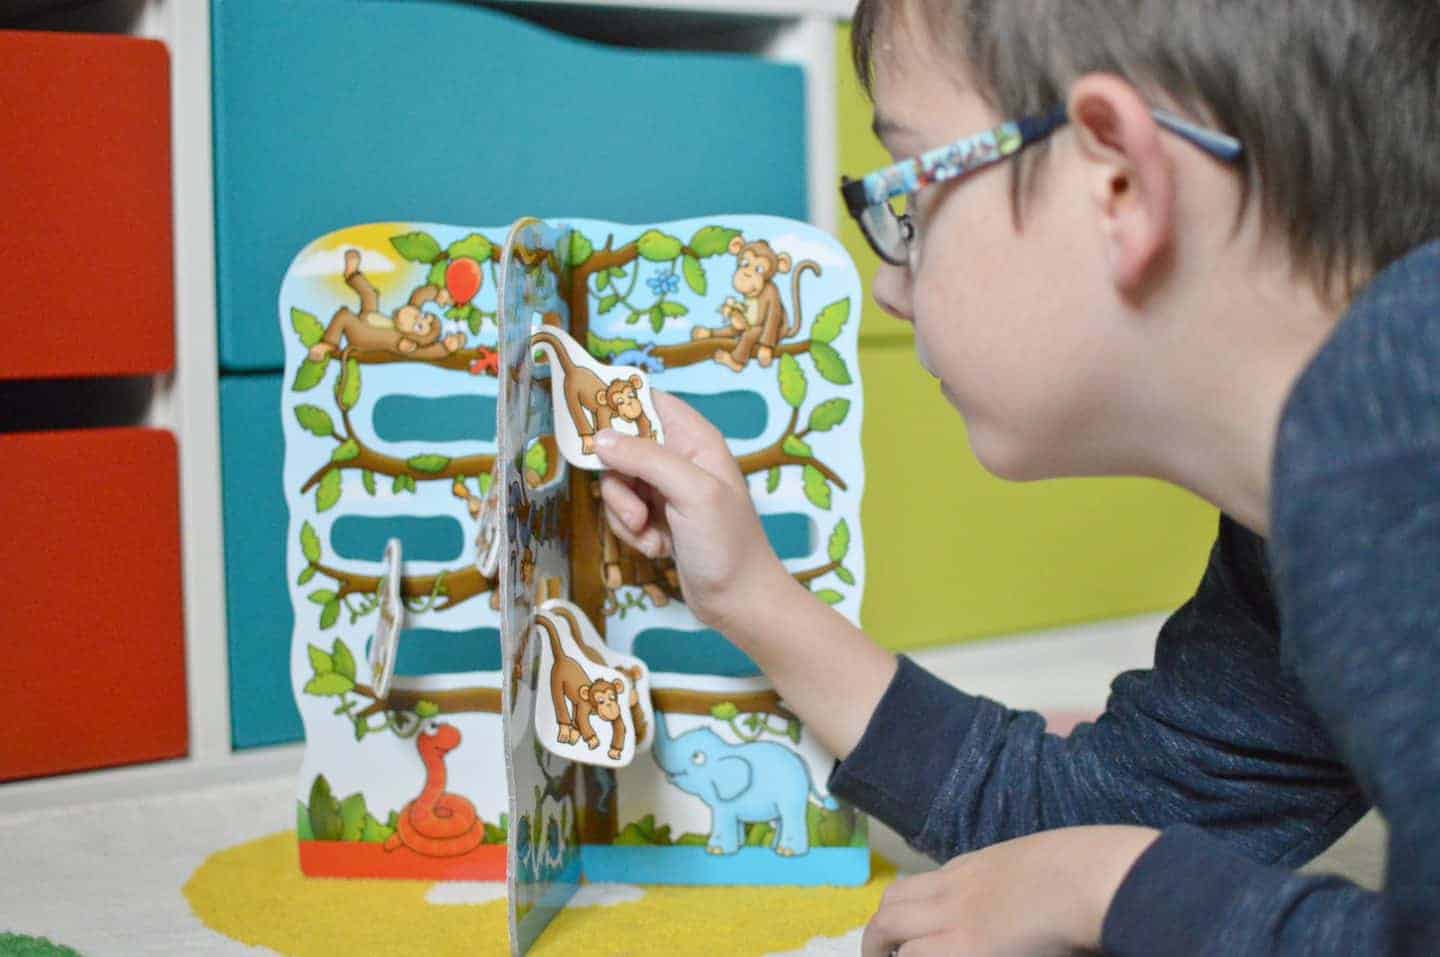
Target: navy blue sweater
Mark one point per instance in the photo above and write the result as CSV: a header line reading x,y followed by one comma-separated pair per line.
x,y
1296,689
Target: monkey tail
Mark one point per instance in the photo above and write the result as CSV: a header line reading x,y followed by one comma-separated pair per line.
x,y
556,347
554,637
799,315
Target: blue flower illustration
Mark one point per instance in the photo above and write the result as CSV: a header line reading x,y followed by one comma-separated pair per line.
x,y
664,283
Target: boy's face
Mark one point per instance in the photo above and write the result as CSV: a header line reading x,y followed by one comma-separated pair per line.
x,y
1004,313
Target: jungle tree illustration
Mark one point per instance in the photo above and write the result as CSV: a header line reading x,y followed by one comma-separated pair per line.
x,y
644,280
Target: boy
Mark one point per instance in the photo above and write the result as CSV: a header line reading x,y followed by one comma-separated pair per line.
x,y
1208,266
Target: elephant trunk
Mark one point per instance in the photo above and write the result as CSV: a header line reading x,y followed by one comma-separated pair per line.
x,y
666,752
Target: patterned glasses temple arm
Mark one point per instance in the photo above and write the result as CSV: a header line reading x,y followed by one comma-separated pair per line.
x,y
998,144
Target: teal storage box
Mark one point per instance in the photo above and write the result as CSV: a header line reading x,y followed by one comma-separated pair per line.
x,y
329,113
262,706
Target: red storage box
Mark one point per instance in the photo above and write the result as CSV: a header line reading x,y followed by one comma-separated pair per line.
x,y
92,669
86,245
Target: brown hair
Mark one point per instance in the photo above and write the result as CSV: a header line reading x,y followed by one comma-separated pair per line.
x,y
1336,101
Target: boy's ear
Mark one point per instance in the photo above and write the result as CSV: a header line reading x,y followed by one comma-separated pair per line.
x,y
1133,181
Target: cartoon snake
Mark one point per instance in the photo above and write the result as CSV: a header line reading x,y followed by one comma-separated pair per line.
x,y
437,824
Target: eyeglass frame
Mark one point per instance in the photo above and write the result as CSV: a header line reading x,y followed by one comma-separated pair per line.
x,y
976,152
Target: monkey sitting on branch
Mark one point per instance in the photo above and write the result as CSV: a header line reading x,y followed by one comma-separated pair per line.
x,y
410,333
759,320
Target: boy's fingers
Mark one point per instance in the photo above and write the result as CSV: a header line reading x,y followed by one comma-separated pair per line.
x,y
650,542
683,483
623,502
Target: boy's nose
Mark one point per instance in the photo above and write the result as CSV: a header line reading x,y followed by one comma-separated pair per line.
x,y
891,288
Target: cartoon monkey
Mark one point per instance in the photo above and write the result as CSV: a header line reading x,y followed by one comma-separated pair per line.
x,y
759,319
410,332
571,688
593,403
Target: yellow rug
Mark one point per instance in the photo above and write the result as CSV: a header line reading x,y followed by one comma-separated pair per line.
x,y
254,893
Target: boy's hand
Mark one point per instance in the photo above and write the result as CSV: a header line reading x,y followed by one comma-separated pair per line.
x,y
1045,894
687,499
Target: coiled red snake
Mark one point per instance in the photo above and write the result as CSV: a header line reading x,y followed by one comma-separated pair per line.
x,y
437,823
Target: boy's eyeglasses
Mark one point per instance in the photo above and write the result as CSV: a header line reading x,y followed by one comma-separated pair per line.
x,y
891,232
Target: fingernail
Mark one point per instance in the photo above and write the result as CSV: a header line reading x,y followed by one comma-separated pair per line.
x,y
605,439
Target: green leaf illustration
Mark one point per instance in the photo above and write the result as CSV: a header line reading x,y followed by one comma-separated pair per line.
x,y
657,318
306,326
427,709
796,447
829,414
315,420
430,464
329,685
350,385
793,730
361,729
321,596
367,479
329,615
580,248
694,275
485,481
306,575
772,480
417,247
436,276
602,281
537,460
303,830
309,543
831,320
672,309
320,660
817,488
352,817
792,382
344,661
712,241
658,247
839,542
328,492
845,575
325,820
608,303
724,711
374,832
474,247
829,596
829,364
397,486
309,375
347,451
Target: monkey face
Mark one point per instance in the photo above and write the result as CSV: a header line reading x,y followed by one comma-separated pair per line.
x,y
414,324
623,398
752,273
605,696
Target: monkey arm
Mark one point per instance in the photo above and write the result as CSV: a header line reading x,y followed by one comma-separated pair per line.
x,y
424,294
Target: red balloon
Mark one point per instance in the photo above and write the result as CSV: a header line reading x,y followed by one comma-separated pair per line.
x,y
462,280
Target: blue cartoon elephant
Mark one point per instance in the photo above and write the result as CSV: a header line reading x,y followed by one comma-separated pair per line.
x,y
741,783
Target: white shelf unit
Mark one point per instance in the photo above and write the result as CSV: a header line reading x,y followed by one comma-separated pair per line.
x,y
187,402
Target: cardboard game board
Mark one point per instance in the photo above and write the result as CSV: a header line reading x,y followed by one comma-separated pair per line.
x,y
493,687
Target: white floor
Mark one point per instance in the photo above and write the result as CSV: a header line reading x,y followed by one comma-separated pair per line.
x,y
95,861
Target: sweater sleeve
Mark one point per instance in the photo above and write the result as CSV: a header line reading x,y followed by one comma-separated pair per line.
x,y
1216,735
1356,541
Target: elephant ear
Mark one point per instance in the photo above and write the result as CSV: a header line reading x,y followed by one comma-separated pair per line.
x,y
730,778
